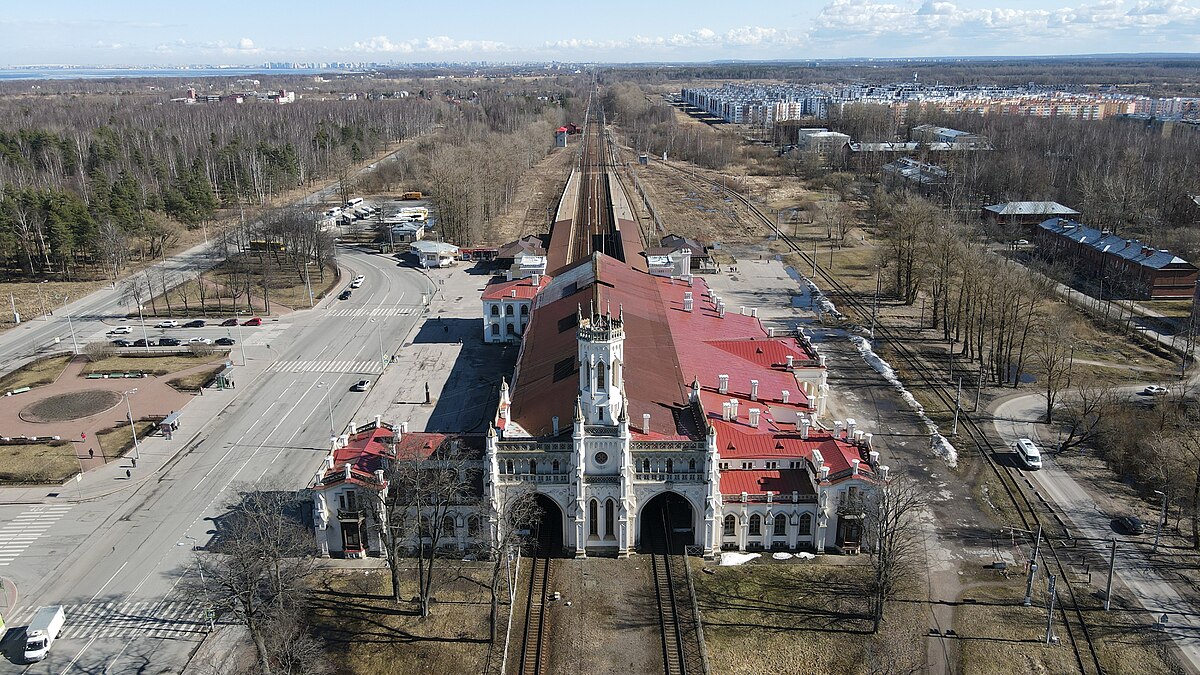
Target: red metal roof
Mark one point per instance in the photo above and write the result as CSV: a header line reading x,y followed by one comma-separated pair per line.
x,y
499,288
761,481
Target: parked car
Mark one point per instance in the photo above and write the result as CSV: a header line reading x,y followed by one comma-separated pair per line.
x,y
1130,525
1156,390
200,341
169,323
198,323
225,341
121,330
361,385
256,321
140,342
122,343
345,295
229,322
1029,453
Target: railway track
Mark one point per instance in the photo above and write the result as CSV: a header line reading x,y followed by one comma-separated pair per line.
x,y
680,631
536,634
1030,514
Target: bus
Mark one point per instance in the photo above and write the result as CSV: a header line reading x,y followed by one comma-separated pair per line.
x,y
354,201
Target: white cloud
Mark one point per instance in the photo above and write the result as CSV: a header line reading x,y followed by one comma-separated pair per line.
x,y
440,44
246,44
754,37
101,44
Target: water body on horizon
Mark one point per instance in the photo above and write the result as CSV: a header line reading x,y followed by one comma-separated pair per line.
x,y
99,73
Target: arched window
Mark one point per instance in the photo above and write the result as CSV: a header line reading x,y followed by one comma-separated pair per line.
x,y
593,517
691,465
473,526
508,310
524,310
508,466
600,375
806,524
755,525
554,466
511,329
780,525
670,465
645,466
730,526
533,466
495,310
610,509
448,527
495,329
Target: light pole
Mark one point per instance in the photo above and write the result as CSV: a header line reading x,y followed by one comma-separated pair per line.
x,y
328,404
142,320
241,343
308,285
203,583
71,326
132,427
42,298
1161,517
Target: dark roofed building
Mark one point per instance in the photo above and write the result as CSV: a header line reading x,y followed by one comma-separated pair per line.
x,y
1131,268
1027,215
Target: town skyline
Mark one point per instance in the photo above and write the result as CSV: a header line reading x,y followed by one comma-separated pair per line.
x,y
146,34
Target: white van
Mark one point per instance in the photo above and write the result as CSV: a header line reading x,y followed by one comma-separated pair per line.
x,y
1029,453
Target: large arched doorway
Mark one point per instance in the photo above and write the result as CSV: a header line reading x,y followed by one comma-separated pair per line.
x,y
667,522
547,530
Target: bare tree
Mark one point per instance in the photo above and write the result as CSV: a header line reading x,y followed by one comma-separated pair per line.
x,y
257,566
893,534
1053,354
1084,414
425,494
98,351
509,530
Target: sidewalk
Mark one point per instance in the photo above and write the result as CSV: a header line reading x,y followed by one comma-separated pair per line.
x,y
154,453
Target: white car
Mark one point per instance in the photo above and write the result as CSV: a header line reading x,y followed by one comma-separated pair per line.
x,y
200,341
1156,390
169,323
358,281
361,385
121,330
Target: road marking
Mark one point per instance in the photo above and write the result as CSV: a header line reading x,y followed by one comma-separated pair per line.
x,y
26,528
114,576
363,367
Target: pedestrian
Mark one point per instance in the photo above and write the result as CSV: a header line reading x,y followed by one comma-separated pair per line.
x,y
128,474
91,454
134,460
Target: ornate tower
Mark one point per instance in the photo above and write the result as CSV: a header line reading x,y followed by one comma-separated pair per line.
x,y
601,367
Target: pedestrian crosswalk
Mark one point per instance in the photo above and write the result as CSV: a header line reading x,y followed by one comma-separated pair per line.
x,y
143,618
375,311
21,532
327,366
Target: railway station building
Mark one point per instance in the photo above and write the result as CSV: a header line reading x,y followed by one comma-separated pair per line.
x,y
642,407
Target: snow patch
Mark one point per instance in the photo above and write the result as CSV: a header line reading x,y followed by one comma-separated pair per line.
x,y
804,555
944,448
731,558
781,555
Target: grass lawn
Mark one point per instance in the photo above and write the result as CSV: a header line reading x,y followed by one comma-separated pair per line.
x,y
116,441
196,380
155,364
809,617
367,633
42,371
37,462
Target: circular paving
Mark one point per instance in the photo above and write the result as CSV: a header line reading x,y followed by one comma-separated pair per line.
x,y
72,406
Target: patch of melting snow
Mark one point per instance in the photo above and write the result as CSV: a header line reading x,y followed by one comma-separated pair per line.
x,y
731,558
939,444
781,555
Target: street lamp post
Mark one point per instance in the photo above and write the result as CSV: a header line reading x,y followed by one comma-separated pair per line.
x,y
1161,517
71,326
308,285
42,298
142,320
241,343
203,583
132,426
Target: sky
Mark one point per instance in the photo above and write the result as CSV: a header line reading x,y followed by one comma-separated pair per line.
x,y
250,32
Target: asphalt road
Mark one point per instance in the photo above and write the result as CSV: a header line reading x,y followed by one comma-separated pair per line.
x,y
1140,571
116,563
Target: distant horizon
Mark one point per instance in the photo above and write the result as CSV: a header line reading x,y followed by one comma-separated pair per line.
x,y
308,64
124,32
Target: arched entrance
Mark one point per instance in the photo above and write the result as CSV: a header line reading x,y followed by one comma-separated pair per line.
x,y
547,530
667,521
